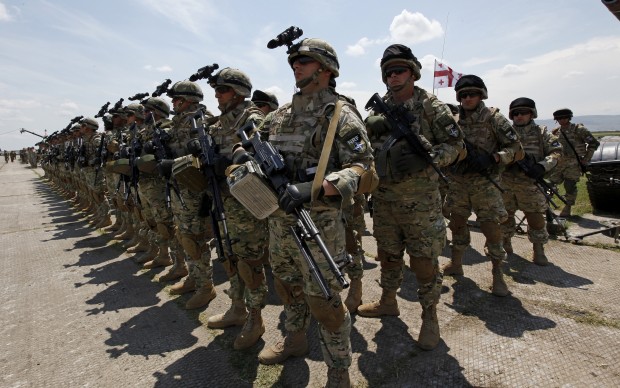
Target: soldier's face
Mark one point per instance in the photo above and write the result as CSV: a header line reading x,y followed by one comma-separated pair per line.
x,y
470,100
398,76
521,117
563,121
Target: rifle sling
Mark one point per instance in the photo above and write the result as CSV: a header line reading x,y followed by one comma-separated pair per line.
x,y
317,183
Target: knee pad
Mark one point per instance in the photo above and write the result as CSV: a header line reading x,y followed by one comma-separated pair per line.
x,y
535,220
387,260
424,268
251,272
491,231
329,313
190,246
288,293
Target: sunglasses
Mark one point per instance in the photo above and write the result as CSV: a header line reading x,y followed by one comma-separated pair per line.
x,y
223,89
303,60
469,94
520,113
395,70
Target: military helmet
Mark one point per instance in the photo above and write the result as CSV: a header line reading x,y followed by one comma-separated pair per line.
x,y
471,82
187,90
562,114
266,98
234,78
317,49
136,110
523,103
399,53
75,128
157,104
90,123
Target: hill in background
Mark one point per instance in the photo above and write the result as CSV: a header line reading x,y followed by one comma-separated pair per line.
x,y
595,123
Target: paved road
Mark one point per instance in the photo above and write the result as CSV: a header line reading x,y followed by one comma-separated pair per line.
x,y
76,311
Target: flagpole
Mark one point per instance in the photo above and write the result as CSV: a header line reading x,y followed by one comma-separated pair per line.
x,y
434,67
443,46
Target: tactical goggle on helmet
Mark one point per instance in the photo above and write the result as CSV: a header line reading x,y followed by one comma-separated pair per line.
x,y
317,49
233,78
187,90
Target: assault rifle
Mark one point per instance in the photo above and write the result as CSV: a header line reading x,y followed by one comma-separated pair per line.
x,y
400,129
472,152
159,137
208,152
133,179
582,167
101,156
138,96
103,110
548,190
272,165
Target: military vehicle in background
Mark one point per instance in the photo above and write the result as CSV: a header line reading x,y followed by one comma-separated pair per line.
x,y
603,176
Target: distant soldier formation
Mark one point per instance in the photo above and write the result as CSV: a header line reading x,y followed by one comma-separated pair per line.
x,y
257,183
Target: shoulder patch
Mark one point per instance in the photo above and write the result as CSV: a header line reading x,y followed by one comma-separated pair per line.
x,y
452,130
357,144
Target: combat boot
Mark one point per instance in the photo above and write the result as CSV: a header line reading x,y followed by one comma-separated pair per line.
x,y
126,234
387,305
134,239
205,294
429,332
188,284
455,266
116,226
235,316
178,270
161,260
354,297
338,378
539,255
104,221
294,344
253,329
508,245
146,256
565,211
142,246
499,287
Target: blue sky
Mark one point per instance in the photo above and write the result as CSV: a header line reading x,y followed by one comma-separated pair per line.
x,y
59,59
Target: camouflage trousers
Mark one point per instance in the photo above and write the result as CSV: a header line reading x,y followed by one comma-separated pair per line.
x,y
193,232
415,224
354,229
521,193
250,236
300,294
474,192
567,172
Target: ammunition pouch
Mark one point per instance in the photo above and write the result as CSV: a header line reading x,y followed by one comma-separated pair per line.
x,y
121,166
249,186
369,180
186,170
147,164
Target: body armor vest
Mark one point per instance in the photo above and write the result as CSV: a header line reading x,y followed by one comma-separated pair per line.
x,y
572,134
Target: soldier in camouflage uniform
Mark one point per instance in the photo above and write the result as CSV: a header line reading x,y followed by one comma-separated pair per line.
x,y
165,249
491,143
407,203
192,227
298,130
248,287
542,152
265,101
113,133
578,146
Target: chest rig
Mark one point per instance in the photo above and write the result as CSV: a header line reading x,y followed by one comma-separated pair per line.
x,y
302,128
571,135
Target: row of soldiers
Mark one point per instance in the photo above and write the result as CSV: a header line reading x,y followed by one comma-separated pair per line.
x,y
418,161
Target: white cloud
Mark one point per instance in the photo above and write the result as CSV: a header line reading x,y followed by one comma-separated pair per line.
x,y
406,28
510,69
164,69
476,61
411,28
4,14
572,74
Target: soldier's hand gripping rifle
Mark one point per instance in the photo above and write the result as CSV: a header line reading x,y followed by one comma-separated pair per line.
x,y
473,154
207,166
400,129
159,150
545,188
272,165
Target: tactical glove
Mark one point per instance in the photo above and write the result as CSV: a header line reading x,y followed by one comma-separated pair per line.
x,y
165,167
193,147
536,171
148,147
482,162
221,164
241,156
377,126
294,196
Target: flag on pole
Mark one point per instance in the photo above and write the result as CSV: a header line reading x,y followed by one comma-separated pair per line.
x,y
444,76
